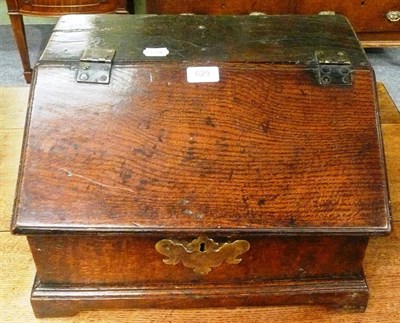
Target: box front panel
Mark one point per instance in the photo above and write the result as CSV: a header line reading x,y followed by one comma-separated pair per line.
x,y
133,259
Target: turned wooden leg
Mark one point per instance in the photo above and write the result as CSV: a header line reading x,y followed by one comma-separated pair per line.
x,y
18,27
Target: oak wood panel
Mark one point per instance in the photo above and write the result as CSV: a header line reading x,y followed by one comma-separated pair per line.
x,y
13,110
296,161
133,260
350,295
289,165
265,39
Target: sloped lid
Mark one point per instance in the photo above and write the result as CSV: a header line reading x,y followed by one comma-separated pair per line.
x,y
263,149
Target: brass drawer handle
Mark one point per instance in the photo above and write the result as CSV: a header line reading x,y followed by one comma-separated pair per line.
x,y
201,254
393,16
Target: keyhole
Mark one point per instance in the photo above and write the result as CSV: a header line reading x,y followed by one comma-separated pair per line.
x,y
202,247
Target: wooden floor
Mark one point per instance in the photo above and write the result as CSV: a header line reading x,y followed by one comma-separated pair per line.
x,y
382,263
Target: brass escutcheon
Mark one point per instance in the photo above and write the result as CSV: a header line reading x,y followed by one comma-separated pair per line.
x,y
202,253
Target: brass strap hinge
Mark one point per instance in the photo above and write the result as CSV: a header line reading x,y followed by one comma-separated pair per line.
x,y
95,66
333,68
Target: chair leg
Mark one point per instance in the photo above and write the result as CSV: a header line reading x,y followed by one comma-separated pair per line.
x,y
18,27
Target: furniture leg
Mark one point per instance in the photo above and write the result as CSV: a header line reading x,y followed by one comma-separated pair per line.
x,y
18,27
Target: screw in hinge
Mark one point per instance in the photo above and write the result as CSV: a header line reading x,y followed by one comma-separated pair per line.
x,y
84,77
325,69
346,79
345,71
326,79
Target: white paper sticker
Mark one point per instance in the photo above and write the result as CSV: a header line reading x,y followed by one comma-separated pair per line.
x,y
202,74
156,52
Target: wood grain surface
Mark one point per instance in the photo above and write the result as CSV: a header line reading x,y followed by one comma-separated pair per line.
x,y
382,262
265,141
121,259
292,160
205,38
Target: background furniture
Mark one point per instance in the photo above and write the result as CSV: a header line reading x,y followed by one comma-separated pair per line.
x,y
377,22
18,8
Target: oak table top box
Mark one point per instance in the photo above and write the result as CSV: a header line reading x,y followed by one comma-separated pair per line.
x,y
377,22
197,161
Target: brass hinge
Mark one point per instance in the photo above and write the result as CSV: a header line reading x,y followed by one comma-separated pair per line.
x,y
333,68
95,66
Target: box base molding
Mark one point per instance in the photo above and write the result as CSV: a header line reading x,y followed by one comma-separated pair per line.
x,y
350,295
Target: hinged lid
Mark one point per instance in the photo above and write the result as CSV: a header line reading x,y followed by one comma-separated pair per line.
x,y
208,123
281,39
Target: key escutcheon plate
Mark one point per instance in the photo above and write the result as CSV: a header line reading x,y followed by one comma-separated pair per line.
x,y
201,254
